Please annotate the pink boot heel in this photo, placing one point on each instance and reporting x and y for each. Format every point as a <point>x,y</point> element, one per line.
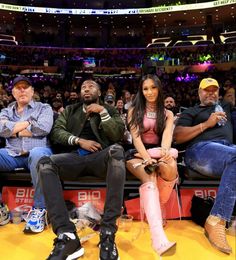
<point>150,205</point>
<point>167,249</point>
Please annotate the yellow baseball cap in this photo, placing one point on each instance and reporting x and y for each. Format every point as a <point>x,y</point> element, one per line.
<point>207,82</point>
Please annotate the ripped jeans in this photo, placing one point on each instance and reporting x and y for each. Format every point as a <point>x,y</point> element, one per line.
<point>108,164</point>
<point>216,158</point>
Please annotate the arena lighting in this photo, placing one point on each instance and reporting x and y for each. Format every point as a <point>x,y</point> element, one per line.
<point>187,78</point>
<point>204,67</point>
<point>205,59</point>
<point>133,11</point>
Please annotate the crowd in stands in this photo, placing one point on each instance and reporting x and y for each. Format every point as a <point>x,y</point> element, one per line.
<point>64,58</point>
<point>182,86</point>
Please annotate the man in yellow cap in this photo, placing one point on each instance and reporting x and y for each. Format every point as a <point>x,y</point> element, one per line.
<point>206,130</point>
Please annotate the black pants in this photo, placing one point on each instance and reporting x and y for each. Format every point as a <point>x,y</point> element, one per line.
<point>108,163</point>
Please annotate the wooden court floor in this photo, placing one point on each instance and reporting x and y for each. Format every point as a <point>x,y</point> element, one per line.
<point>132,244</point>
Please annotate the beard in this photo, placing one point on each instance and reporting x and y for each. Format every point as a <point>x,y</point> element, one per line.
<point>89,101</point>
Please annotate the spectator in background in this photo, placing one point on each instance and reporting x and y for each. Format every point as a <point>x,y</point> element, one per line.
<point>73,98</point>
<point>88,131</point>
<point>109,99</point>
<point>127,140</point>
<point>57,107</point>
<point>169,103</point>
<point>59,95</point>
<point>25,125</point>
<point>5,99</point>
<point>66,97</point>
<point>122,111</point>
<point>36,96</point>
<point>111,90</point>
<point>127,99</point>
<point>151,126</point>
<point>229,92</point>
<point>46,96</point>
<point>208,135</point>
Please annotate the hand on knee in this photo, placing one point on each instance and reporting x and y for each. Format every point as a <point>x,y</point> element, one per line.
<point>168,172</point>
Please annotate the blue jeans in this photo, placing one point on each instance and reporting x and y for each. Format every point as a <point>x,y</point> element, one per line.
<point>9,163</point>
<point>216,158</point>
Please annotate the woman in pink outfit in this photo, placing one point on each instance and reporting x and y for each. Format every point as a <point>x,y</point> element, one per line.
<point>151,126</point>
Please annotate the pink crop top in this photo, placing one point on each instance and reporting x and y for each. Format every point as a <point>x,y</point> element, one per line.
<point>149,136</point>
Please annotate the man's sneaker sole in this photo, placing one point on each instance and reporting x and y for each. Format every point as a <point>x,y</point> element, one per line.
<point>76,254</point>
<point>30,231</point>
<point>117,258</point>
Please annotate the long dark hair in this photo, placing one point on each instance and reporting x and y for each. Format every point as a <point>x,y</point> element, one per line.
<point>139,107</point>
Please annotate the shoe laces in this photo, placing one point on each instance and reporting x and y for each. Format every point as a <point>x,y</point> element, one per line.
<point>35,214</point>
<point>219,235</point>
<point>107,240</point>
<point>60,240</point>
<point>108,248</point>
<point>58,243</point>
<point>220,230</point>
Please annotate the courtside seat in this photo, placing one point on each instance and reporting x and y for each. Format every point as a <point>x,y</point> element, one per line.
<point>21,177</point>
<point>19,174</point>
<point>190,177</point>
<point>87,182</point>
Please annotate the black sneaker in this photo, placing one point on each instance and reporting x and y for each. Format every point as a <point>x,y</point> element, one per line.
<point>66,248</point>
<point>108,250</point>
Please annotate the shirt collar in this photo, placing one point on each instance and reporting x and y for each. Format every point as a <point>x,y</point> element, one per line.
<point>13,105</point>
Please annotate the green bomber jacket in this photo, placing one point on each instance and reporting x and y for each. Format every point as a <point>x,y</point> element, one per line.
<point>108,128</point>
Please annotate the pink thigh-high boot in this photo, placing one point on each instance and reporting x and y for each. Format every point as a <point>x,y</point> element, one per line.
<point>150,205</point>
<point>165,188</point>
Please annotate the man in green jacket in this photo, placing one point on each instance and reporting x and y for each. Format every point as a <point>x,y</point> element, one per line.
<point>89,132</point>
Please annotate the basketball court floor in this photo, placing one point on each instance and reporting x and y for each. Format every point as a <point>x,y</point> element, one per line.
<point>134,244</point>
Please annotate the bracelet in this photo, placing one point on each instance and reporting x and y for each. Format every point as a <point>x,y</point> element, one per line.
<point>77,140</point>
<point>201,127</point>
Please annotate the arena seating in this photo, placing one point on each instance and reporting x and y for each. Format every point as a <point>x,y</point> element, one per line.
<point>188,177</point>
<point>21,177</point>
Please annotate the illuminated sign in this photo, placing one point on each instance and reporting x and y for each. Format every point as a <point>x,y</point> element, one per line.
<point>133,11</point>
